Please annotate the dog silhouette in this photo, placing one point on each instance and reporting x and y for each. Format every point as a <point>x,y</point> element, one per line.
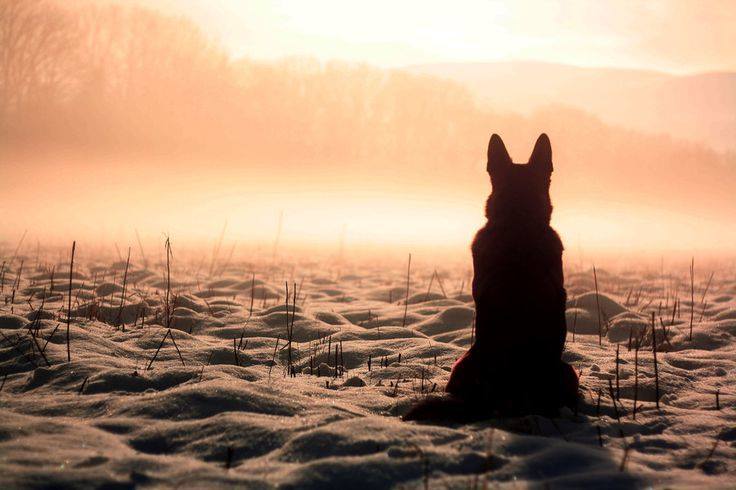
<point>514,365</point>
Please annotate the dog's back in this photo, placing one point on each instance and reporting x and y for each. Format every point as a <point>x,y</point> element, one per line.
<point>515,362</point>
<point>518,286</point>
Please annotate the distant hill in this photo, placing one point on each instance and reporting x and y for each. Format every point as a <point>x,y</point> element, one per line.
<point>699,108</point>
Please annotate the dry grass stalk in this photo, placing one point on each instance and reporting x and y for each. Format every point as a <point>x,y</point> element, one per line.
<point>36,323</point>
<point>337,349</point>
<point>702,312</point>
<point>242,335</point>
<point>618,389</point>
<point>575,319</point>
<point>16,283</point>
<point>17,249</point>
<point>167,298</point>
<point>439,281</point>
<point>329,349</point>
<point>665,332</point>
<point>201,372</point>
<point>2,277</point>
<point>69,308</point>
<point>613,399</point>
<point>167,334</point>
<point>125,284</point>
<point>406,301</point>
<point>216,250</point>
<point>50,337</point>
<point>290,326</point>
<point>15,346</point>
<point>273,357</point>
<point>252,294</point>
<point>656,368</point>
<point>35,341</point>
<point>598,306</point>
<point>636,378</point>
<point>692,295</point>
<point>429,288</point>
<point>173,341</point>
<point>707,287</point>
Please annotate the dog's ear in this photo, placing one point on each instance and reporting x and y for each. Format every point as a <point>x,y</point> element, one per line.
<point>498,157</point>
<point>541,159</point>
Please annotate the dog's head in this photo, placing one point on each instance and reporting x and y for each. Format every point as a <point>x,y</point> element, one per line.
<point>520,195</point>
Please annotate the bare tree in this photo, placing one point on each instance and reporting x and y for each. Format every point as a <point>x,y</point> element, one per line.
<point>36,39</point>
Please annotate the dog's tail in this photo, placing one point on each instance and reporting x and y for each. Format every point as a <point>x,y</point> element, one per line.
<point>445,408</point>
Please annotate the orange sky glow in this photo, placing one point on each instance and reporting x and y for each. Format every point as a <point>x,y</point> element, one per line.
<point>672,35</point>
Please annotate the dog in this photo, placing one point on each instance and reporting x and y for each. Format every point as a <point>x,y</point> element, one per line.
<point>514,366</point>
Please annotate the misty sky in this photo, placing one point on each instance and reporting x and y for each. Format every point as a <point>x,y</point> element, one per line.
<point>671,35</point>
<point>239,143</point>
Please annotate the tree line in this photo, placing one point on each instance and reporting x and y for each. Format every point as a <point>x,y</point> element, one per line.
<point>124,79</point>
